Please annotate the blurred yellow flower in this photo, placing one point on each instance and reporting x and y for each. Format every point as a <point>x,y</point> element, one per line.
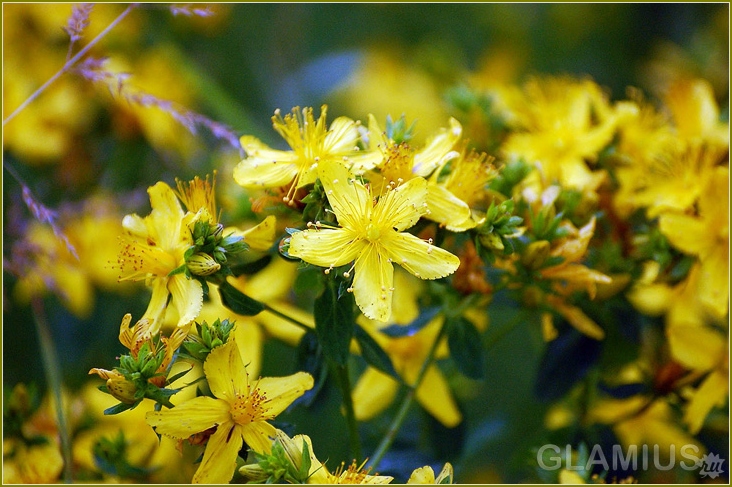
<point>707,237</point>
<point>695,113</point>
<point>40,463</point>
<point>561,127</point>
<point>384,85</point>
<point>569,276</point>
<point>642,420</point>
<point>239,411</point>
<point>46,264</point>
<point>375,391</point>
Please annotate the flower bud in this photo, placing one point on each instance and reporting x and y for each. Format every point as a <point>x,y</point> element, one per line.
<point>202,264</point>
<point>536,254</point>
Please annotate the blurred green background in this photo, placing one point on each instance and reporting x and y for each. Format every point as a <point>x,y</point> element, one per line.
<point>248,59</point>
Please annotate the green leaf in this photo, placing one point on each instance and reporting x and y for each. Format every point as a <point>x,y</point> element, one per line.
<point>252,267</point>
<point>118,408</point>
<point>305,462</point>
<point>239,302</point>
<point>466,347</point>
<point>372,352</point>
<point>334,322</point>
<point>310,359</point>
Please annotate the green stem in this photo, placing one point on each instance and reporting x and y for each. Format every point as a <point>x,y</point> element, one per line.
<point>69,64</point>
<point>52,370</point>
<point>282,315</point>
<point>498,336</point>
<point>344,383</point>
<point>401,414</point>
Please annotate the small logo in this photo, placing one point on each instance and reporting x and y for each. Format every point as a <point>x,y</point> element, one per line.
<point>711,465</point>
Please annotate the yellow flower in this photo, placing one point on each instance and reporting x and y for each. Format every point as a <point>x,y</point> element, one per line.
<point>562,124</point>
<point>707,237</point>
<point>425,475</point>
<point>313,146</point>
<point>639,420</point>
<point>45,263</point>
<point>570,276</point>
<point>691,342</point>
<point>466,182</point>
<point>402,162</point>
<point>31,464</point>
<point>671,181</point>
<point>695,112</point>
<point>704,350</point>
<point>239,411</point>
<point>386,83</point>
<point>154,246</point>
<point>374,235</point>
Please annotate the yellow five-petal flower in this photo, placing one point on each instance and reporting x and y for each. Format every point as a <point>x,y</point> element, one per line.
<point>373,235</point>
<point>312,144</point>
<point>154,246</point>
<point>239,412</point>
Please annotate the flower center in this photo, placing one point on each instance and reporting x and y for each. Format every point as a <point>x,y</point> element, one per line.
<point>372,232</point>
<point>249,409</point>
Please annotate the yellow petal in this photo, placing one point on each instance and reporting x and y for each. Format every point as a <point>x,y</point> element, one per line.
<point>712,392</point>
<point>283,329</point>
<point>342,136</point>
<point>714,280</point>
<point>187,297</point>
<point>258,151</point>
<point>225,372</point>
<point>282,391</point>
<point>249,337</point>
<point>219,459</point>
<point>265,167</point>
<point>260,237</point>
<point>437,148</point>
<point>684,232</point>
<point>166,215</point>
<point>693,107</point>
<point>419,257</point>
<point>578,319</point>
<point>373,393</point>
<point>373,284</point>
<point>446,208</point>
<point>696,347</point>
<point>651,299</point>
<point>365,161</point>
<point>349,198</point>
<point>434,395</point>
<point>422,475</point>
<point>329,247</point>
<point>271,283</point>
<point>401,207</point>
<point>158,303</point>
<point>190,417</point>
<point>259,436</point>
<point>570,477</point>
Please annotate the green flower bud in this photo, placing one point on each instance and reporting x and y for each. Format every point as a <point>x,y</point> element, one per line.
<point>536,254</point>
